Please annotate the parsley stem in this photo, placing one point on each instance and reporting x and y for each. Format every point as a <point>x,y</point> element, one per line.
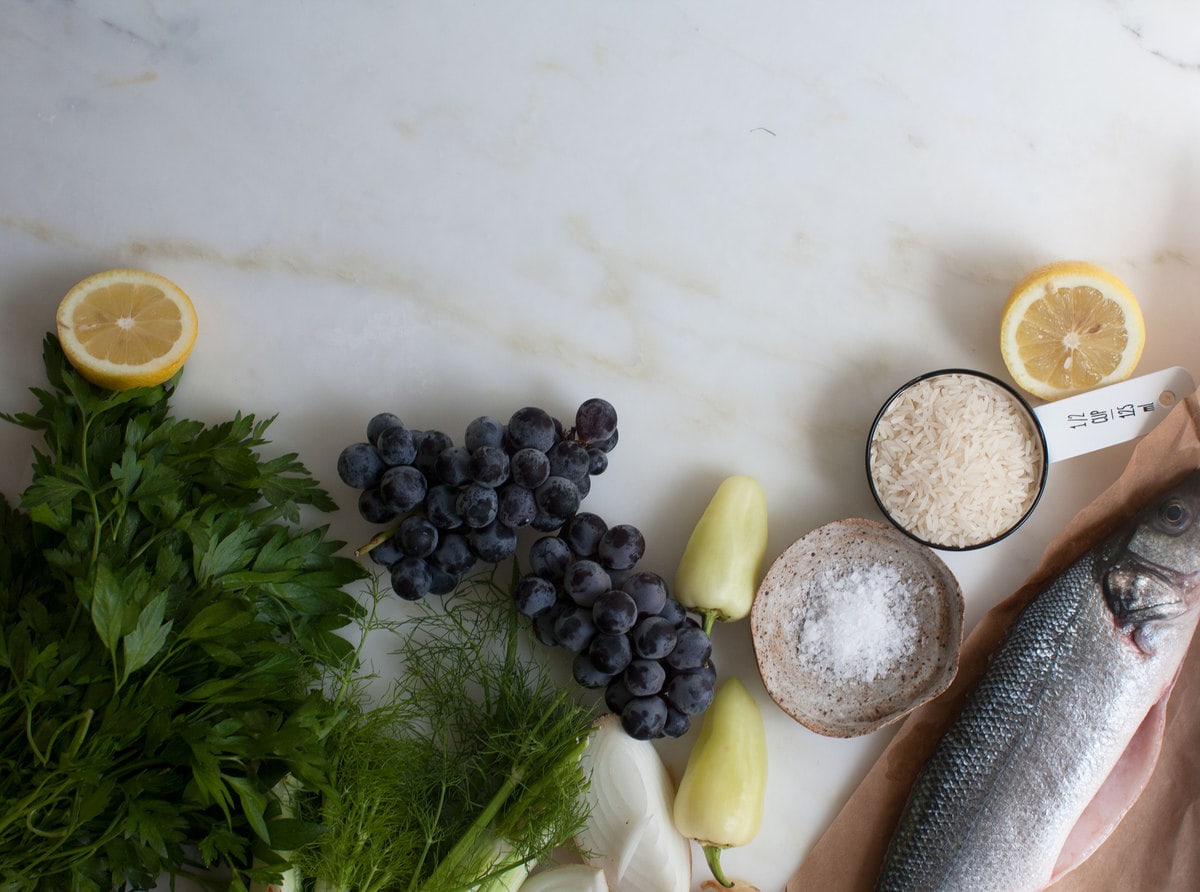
<point>84,437</point>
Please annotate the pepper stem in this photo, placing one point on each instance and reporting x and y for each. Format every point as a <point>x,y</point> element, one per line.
<point>712,854</point>
<point>710,616</point>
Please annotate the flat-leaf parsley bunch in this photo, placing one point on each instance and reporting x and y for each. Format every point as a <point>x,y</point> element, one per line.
<point>165,625</point>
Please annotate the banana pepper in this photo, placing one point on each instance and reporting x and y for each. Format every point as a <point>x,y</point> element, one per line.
<point>718,574</point>
<point>719,802</point>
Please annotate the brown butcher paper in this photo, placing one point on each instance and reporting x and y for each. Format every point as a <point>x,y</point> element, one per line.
<point>1157,845</point>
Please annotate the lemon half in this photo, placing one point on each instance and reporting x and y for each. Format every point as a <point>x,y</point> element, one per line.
<point>1069,327</point>
<point>126,328</point>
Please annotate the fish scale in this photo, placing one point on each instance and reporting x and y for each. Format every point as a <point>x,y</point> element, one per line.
<point>1059,701</point>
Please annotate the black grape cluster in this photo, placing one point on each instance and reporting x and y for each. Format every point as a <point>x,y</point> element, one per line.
<point>455,505</point>
<point>628,635</point>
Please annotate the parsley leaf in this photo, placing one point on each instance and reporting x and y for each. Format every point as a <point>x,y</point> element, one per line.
<point>165,626</point>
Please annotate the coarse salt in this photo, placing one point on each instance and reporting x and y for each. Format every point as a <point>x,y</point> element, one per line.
<point>854,627</point>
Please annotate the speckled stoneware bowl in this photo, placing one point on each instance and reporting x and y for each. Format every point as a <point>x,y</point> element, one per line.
<point>854,626</point>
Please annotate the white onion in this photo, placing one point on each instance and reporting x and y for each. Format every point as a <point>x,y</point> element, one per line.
<point>631,833</point>
<point>567,878</point>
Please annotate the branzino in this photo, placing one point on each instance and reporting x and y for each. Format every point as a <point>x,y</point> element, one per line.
<point>1063,729</point>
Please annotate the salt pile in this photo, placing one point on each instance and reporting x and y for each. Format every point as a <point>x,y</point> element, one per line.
<point>855,627</point>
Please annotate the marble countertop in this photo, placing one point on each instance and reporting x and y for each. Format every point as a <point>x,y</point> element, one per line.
<point>743,224</point>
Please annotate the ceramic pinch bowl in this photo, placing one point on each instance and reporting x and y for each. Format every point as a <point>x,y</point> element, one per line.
<point>957,459</point>
<point>855,625</point>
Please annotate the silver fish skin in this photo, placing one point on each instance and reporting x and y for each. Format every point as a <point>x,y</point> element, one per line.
<point>1079,670</point>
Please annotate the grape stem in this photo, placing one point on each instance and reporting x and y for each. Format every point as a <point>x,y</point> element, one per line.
<point>712,855</point>
<point>376,540</point>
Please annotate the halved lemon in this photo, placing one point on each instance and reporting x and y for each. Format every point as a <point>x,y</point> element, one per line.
<point>126,328</point>
<point>1069,327</point>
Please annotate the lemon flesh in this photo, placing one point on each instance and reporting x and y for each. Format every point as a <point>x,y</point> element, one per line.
<point>1070,327</point>
<point>126,328</point>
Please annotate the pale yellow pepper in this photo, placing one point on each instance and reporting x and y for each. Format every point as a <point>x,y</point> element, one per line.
<point>719,802</point>
<point>718,574</point>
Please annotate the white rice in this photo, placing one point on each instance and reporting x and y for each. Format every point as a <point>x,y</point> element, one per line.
<point>955,460</point>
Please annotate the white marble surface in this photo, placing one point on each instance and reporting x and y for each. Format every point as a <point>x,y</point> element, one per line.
<point>744,224</point>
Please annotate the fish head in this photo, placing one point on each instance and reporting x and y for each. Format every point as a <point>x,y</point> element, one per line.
<point>1150,570</point>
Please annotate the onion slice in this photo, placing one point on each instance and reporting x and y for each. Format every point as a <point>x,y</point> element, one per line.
<point>631,833</point>
<point>567,878</point>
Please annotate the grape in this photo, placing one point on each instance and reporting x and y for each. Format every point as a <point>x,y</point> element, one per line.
<point>515,506</point>
<point>441,507</point>
<point>360,466</point>
<point>644,677</point>
<point>568,459</point>
<point>608,445</point>
<point>595,421</point>
<point>582,532</point>
<point>621,547</point>
<point>677,723</point>
<point>489,465</point>
<point>484,431</point>
<point>708,670</point>
<point>402,488</point>
<point>616,695</point>
<point>689,692</point>
<point>653,638</point>
<point>543,628</point>
<point>429,445</point>
<point>493,543</point>
<point>610,653</point>
<point>674,612</point>
<point>643,718</point>
<point>558,497</point>
<point>692,648</point>
<point>417,535</point>
<point>395,445</point>
<point>597,460</point>
<point>453,554</point>
<point>549,557</point>
<point>529,467</point>
<point>387,552</point>
<point>614,612</point>
<point>477,505</point>
<point>379,423</point>
<point>648,590</point>
<point>453,465</point>
<point>546,523</point>
<point>441,582</point>
<point>532,427</point>
<point>584,581</point>
<point>411,578</point>
<point>574,629</point>
<point>535,596</point>
<point>372,507</point>
<point>456,505</point>
<point>587,673</point>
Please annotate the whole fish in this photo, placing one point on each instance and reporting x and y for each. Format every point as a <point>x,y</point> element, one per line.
<point>1064,727</point>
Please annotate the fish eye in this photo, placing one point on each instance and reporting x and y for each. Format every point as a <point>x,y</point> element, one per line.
<point>1174,514</point>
